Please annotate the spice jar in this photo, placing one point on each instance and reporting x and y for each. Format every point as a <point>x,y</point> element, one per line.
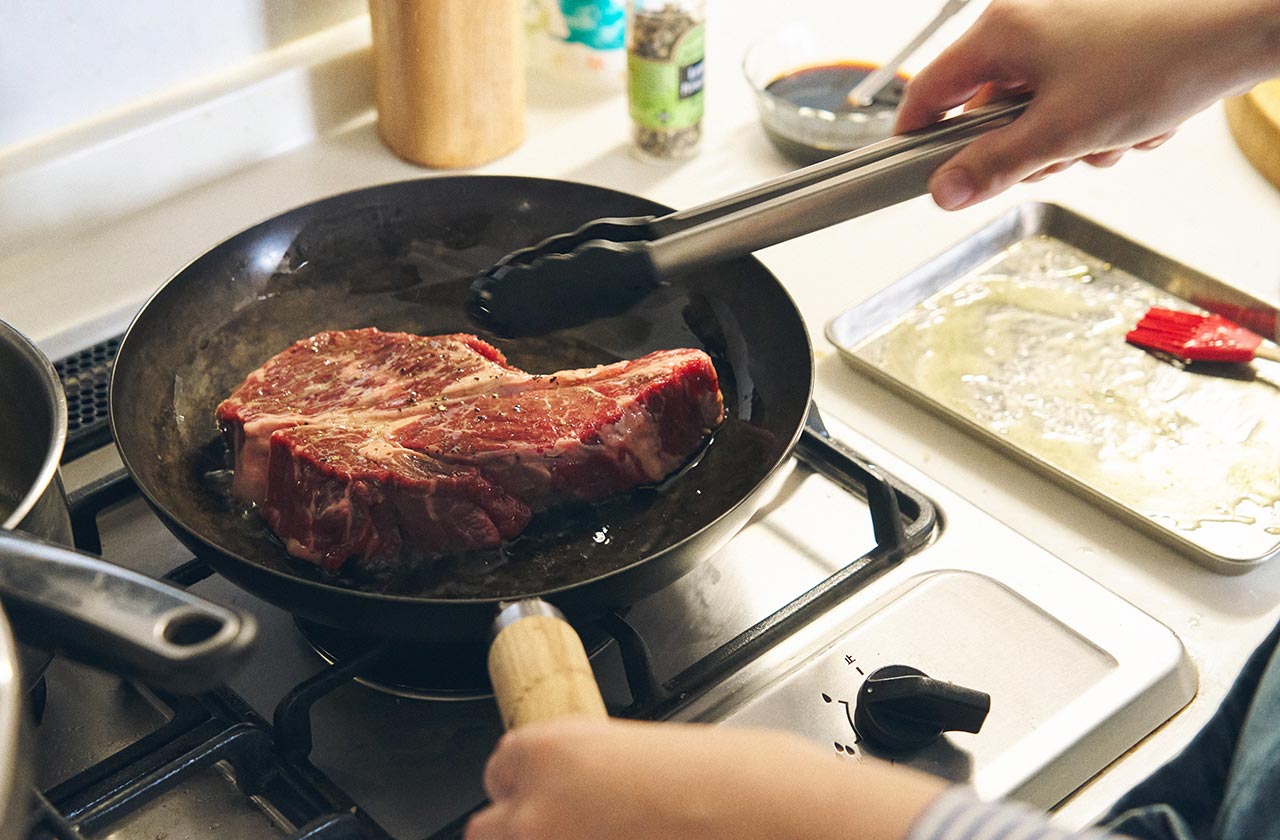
<point>666,43</point>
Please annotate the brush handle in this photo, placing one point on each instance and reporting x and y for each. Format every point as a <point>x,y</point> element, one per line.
<point>1267,351</point>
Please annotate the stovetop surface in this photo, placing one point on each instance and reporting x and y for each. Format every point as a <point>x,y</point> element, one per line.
<point>320,755</point>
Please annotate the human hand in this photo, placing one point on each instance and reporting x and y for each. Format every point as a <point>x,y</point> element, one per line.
<point>1106,76</point>
<point>574,779</point>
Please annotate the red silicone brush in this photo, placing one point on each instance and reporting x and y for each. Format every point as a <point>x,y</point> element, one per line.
<point>1199,338</point>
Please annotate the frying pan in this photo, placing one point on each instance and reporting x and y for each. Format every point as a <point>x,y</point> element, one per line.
<point>402,256</point>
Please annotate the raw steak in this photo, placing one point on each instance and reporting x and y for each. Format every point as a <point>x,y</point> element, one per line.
<point>356,444</point>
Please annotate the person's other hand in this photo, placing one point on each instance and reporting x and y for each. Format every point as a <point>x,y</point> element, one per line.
<point>1107,77</point>
<point>597,780</point>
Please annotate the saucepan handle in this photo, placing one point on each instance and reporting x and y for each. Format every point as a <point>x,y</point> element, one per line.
<point>539,668</point>
<point>117,619</point>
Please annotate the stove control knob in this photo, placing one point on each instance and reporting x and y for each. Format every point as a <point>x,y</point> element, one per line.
<point>900,708</point>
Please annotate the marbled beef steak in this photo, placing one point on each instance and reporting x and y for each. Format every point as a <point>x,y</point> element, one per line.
<point>357,444</point>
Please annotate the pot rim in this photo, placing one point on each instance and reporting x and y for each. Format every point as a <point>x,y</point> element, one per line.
<point>58,399</point>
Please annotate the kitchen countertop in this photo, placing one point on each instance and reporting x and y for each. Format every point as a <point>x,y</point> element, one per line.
<point>1196,200</point>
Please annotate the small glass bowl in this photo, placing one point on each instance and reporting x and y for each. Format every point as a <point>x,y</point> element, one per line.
<point>797,126</point>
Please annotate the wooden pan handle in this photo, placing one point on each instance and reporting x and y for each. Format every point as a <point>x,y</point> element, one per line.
<point>539,668</point>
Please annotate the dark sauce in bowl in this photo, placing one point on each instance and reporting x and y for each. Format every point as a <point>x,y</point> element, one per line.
<point>826,87</point>
<point>815,120</point>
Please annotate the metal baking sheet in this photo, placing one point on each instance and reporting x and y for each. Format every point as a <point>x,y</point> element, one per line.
<point>1017,334</point>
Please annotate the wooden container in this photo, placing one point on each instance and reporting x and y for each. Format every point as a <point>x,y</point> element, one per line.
<point>1254,119</point>
<point>449,79</point>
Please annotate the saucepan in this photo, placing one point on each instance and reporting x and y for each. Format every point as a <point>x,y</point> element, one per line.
<point>62,599</point>
<point>33,429</point>
<point>59,599</point>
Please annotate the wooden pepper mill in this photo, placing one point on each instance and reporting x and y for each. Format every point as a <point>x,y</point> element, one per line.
<point>449,79</point>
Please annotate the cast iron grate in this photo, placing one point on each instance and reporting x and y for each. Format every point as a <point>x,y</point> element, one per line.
<point>85,378</point>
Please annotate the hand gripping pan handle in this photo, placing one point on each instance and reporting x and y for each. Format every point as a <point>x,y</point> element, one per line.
<point>118,619</point>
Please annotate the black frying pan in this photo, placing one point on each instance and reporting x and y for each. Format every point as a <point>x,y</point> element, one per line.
<point>401,257</point>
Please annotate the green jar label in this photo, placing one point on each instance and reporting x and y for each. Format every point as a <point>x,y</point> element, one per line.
<point>667,94</point>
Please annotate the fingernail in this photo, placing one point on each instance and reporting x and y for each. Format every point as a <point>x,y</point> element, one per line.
<point>951,188</point>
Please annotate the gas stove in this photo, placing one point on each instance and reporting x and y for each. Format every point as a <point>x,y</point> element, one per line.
<point>97,216</point>
<point>782,628</point>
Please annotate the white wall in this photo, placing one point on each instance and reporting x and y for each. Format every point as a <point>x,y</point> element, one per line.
<point>66,61</point>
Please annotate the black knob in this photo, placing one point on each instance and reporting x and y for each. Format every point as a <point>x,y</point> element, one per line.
<point>900,708</point>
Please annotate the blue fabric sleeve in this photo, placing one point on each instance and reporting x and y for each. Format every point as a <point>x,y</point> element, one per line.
<point>959,815</point>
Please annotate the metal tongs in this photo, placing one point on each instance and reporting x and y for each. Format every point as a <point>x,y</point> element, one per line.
<point>606,265</point>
